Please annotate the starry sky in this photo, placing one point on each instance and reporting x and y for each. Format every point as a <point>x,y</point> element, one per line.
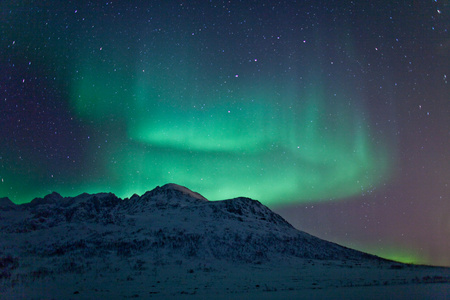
<point>335,114</point>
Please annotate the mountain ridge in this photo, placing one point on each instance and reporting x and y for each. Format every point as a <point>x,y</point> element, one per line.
<point>166,234</point>
<point>174,208</point>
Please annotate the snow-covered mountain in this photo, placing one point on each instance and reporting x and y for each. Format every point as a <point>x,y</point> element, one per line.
<point>167,229</point>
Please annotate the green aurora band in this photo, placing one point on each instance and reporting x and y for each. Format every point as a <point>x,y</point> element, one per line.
<point>388,250</point>
<point>270,142</point>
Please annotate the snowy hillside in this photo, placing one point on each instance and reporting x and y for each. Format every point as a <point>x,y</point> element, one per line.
<point>99,245</point>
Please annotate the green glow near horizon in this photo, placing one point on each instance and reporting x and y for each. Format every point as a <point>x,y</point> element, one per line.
<point>396,253</point>
<point>277,146</point>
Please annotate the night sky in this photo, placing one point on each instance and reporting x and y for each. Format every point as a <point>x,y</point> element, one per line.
<point>335,114</point>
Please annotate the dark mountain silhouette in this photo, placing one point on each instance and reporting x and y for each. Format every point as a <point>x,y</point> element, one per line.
<point>167,228</point>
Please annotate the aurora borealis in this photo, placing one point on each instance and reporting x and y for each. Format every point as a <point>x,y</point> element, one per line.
<point>333,114</point>
<point>230,137</point>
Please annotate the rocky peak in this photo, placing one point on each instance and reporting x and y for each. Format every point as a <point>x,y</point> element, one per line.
<point>6,204</point>
<point>172,194</point>
<point>52,198</point>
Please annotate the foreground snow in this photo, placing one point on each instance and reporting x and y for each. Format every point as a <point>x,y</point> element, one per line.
<point>307,280</point>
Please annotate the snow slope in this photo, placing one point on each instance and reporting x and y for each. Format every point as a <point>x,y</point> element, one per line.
<point>172,242</point>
